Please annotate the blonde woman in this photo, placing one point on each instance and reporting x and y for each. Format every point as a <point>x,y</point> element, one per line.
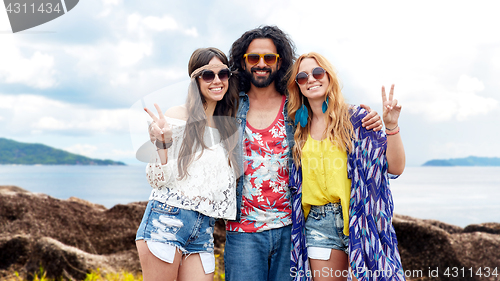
<point>341,180</point>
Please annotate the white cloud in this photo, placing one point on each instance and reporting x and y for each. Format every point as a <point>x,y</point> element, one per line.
<point>108,6</point>
<point>108,58</point>
<point>469,84</point>
<point>160,24</point>
<point>30,114</point>
<point>143,25</point>
<point>49,123</point>
<point>439,104</point>
<point>111,2</point>
<point>191,32</point>
<point>35,69</point>
<point>129,53</point>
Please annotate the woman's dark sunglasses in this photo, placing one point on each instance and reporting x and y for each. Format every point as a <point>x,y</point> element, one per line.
<point>302,77</point>
<point>209,76</point>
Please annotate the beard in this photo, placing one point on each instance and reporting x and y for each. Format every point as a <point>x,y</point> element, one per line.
<point>261,82</point>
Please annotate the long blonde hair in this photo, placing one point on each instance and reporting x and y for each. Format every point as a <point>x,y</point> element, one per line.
<point>339,127</point>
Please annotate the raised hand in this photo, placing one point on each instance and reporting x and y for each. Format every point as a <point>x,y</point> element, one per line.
<point>159,128</point>
<point>391,109</point>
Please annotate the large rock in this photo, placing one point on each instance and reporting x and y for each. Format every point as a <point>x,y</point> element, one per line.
<point>71,237</point>
<point>432,250</point>
<point>67,237</point>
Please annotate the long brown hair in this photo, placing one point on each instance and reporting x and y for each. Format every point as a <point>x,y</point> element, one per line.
<point>339,127</point>
<point>197,119</point>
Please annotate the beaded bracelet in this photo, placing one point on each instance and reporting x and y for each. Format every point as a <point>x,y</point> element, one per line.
<point>162,145</point>
<point>393,133</point>
<point>392,128</point>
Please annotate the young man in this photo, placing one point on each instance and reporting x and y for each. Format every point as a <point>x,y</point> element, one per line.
<point>258,242</point>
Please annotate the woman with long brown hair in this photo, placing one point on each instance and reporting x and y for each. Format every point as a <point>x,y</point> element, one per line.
<point>340,179</point>
<point>193,176</point>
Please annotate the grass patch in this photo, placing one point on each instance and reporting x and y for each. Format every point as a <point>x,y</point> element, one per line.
<point>94,275</point>
<point>97,275</point>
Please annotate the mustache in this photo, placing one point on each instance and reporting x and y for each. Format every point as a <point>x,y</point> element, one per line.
<point>253,69</point>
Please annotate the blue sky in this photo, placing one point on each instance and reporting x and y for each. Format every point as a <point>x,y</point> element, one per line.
<point>70,83</point>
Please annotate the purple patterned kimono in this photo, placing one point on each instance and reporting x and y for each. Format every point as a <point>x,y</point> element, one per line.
<point>373,247</point>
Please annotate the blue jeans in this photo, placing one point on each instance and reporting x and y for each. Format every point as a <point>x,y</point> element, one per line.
<point>263,256</point>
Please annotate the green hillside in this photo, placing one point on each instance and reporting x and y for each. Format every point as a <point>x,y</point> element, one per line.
<point>469,161</point>
<point>13,152</point>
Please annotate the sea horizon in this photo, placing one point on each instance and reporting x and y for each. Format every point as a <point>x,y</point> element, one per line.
<point>454,195</point>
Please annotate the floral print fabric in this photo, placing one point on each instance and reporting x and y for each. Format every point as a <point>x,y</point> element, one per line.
<point>266,198</point>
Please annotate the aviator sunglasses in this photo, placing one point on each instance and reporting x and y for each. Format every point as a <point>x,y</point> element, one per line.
<point>209,76</point>
<point>302,77</point>
<point>253,58</point>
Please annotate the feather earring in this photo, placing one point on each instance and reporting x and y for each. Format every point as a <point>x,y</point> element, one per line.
<point>301,115</point>
<point>324,107</point>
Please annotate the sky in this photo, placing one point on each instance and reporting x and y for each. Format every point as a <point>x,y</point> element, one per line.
<point>76,82</point>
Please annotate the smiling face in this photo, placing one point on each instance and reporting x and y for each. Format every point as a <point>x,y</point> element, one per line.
<point>313,89</point>
<point>262,74</point>
<point>215,90</point>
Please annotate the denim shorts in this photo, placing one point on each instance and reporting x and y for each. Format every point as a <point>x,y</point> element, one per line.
<point>164,226</point>
<point>325,231</point>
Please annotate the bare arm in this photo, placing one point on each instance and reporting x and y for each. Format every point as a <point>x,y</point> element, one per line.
<point>396,158</point>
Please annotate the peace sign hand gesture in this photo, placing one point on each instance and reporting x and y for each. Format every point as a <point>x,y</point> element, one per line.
<point>159,128</point>
<point>391,109</point>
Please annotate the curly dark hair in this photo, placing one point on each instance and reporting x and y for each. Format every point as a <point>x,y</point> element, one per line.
<point>284,46</point>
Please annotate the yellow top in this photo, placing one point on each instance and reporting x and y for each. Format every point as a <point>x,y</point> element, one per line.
<point>324,177</point>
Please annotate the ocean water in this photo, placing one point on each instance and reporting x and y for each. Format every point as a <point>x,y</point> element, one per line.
<point>105,185</point>
<point>454,195</point>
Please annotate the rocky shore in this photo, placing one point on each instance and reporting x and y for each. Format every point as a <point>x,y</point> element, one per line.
<point>68,238</point>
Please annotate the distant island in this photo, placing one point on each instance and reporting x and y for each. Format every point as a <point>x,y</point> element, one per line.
<point>13,152</point>
<point>469,161</point>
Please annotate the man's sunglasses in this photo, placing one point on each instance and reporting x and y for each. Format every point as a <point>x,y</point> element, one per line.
<point>253,58</point>
<point>302,77</point>
<point>209,76</point>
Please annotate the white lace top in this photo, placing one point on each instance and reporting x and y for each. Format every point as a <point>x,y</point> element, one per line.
<point>209,187</point>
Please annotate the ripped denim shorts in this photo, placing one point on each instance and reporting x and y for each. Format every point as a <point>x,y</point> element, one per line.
<point>325,231</point>
<point>189,231</point>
